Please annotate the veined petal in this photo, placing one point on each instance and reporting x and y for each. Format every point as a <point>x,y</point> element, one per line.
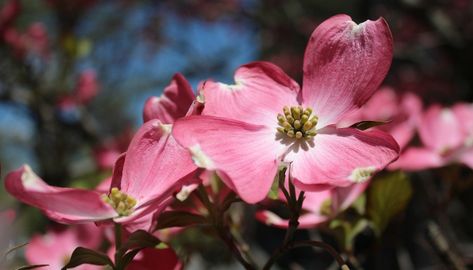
<point>340,157</point>
<point>344,64</point>
<point>245,156</point>
<point>173,103</point>
<point>260,92</point>
<point>415,158</point>
<point>65,205</point>
<point>155,164</point>
<point>441,130</point>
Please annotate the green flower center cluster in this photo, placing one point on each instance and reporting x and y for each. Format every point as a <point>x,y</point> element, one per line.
<point>297,122</point>
<point>121,202</point>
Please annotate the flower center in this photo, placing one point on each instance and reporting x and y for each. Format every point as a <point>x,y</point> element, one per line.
<point>121,202</point>
<point>297,122</point>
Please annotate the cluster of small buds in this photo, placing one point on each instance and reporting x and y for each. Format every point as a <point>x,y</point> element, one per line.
<point>297,122</point>
<point>121,202</point>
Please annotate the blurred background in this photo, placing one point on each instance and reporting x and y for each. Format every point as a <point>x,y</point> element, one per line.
<point>74,76</point>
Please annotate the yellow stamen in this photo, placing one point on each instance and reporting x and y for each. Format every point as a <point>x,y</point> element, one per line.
<point>120,201</point>
<point>297,122</point>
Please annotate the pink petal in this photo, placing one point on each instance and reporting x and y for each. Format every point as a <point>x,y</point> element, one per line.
<point>306,221</point>
<point>404,123</point>
<point>464,113</point>
<point>344,64</point>
<point>260,92</point>
<point>415,158</point>
<point>55,247</point>
<point>467,157</point>
<point>245,156</point>
<point>346,196</point>
<point>400,112</point>
<point>155,164</point>
<point>340,157</point>
<point>314,200</point>
<point>440,129</point>
<point>65,205</point>
<point>173,104</point>
<point>117,172</point>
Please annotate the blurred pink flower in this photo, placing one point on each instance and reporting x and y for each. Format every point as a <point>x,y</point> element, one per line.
<point>319,206</point>
<point>87,86</point>
<point>250,128</point>
<point>34,41</point>
<point>447,137</point>
<point>8,13</point>
<point>401,112</point>
<point>55,247</point>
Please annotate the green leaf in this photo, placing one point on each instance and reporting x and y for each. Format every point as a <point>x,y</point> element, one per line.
<point>363,125</point>
<point>82,255</point>
<point>140,239</point>
<point>170,219</point>
<point>27,267</point>
<point>388,195</point>
<point>348,230</point>
<point>129,256</point>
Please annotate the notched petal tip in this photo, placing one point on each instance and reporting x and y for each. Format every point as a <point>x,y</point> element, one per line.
<point>362,174</point>
<point>29,178</point>
<point>200,159</point>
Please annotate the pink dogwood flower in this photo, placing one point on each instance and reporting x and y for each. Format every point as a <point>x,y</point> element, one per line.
<point>401,112</point>
<point>55,247</point>
<point>319,206</point>
<point>144,180</point>
<point>447,137</point>
<point>262,121</point>
<point>87,86</point>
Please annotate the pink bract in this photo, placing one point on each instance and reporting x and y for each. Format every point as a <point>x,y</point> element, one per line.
<point>447,137</point>
<point>55,247</point>
<point>400,112</point>
<point>174,103</point>
<point>237,135</point>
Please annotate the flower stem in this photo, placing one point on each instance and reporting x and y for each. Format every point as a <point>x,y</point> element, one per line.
<point>294,203</point>
<point>118,245</point>
<point>218,222</point>
<point>322,245</point>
